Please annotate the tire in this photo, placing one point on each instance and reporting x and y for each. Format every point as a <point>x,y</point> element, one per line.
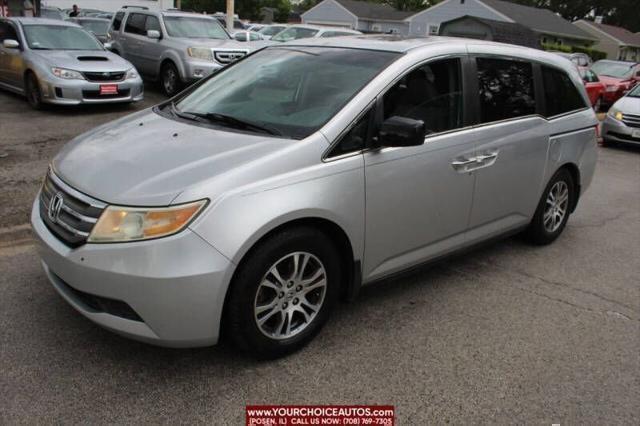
<point>32,91</point>
<point>263,314</point>
<point>553,209</point>
<point>170,79</point>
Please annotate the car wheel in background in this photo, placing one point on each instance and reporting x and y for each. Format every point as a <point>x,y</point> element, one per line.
<point>170,79</point>
<point>32,91</point>
<point>553,209</point>
<point>283,292</point>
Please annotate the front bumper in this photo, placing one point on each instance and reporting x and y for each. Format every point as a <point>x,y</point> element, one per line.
<point>59,91</point>
<point>617,131</point>
<point>175,286</point>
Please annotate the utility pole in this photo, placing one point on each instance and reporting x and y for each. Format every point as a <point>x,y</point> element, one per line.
<point>178,5</point>
<point>230,13</point>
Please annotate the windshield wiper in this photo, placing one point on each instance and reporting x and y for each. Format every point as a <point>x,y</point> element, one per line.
<point>234,122</point>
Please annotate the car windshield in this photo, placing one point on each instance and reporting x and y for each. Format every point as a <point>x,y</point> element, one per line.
<point>59,37</point>
<point>96,27</point>
<point>635,93</point>
<point>294,33</point>
<point>284,91</point>
<point>186,27</point>
<point>51,14</point>
<point>270,31</point>
<point>613,69</point>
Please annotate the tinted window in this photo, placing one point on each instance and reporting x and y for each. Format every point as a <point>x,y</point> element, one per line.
<point>506,89</point>
<point>431,93</point>
<point>117,21</point>
<point>152,23</point>
<point>135,24</point>
<point>589,76</point>
<point>292,90</point>
<point>7,32</point>
<point>560,93</point>
<point>354,140</point>
<point>294,33</point>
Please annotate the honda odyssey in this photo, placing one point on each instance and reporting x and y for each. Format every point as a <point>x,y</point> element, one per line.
<point>253,201</point>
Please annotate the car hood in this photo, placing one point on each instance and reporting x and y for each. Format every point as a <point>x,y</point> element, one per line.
<point>628,105</point>
<point>215,43</point>
<point>85,60</point>
<point>610,81</point>
<point>146,159</point>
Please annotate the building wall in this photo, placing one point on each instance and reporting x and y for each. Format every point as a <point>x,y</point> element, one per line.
<point>604,43</point>
<point>448,10</point>
<point>329,12</point>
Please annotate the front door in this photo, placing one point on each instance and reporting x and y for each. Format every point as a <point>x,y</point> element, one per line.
<point>418,199</point>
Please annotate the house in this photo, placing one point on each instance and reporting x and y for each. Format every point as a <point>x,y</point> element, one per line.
<point>358,15</point>
<point>548,27</point>
<point>617,42</point>
<point>489,29</point>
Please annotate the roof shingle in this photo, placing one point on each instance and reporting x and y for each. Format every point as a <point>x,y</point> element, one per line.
<point>367,10</point>
<point>625,36</point>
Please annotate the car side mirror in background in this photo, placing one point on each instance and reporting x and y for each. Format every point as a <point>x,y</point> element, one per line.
<point>11,44</point>
<point>401,131</point>
<point>108,45</point>
<point>154,34</point>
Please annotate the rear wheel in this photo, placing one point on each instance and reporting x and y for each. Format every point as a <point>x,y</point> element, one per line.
<point>170,79</point>
<point>283,292</point>
<point>553,209</point>
<point>32,91</point>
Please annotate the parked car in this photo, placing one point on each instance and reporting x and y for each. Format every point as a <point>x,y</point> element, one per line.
<point>618,77</point>
<point>622,123</point>
<point>255,27</point>
<point>242,200</point>
<point>52,13</point>
<point>176,48</point>
<point>238,25</point>
<point>581,60</point>
<point>245,36</point>
<point>595,88</point>
<point>296,32</point>
<point>98,27</point>
<point>269,31</point>
<point>58,62</point>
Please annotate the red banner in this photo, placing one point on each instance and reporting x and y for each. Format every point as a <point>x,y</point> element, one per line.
<point>286,415</point>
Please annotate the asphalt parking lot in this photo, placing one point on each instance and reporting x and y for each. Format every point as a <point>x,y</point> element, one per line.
<point>508,333</point>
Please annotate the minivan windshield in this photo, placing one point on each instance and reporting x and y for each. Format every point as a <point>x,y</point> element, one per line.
<point>59,37</point>
<point>613,69</point>
<point>187,27</point>
<point>286,91</point>
<point>294,33</point>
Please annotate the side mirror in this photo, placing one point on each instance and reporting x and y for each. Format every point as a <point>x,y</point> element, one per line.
<point>11,44</point>
<point>401,131</point>
<point>108,45</point>
<point>154,34</point>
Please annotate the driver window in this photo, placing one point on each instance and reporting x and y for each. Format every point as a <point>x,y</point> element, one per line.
<point>431,93</point>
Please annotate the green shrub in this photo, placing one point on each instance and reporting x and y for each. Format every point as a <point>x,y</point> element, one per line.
<point>593,53</point>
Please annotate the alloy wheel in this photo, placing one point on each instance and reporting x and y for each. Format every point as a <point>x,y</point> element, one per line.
<point>170,80</point>
<point>556,206</point>
<point>290,295</point>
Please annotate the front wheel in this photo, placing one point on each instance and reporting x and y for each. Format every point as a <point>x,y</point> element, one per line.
<point>553,209</point>
<point>170,79</point>
<point>283,292</point>
<point>32,91</point>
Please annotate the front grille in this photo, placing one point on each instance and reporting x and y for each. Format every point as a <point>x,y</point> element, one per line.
<point>631,120</point>
<point>72,216</point>
<point>114,307</point>
<point>95,94</point>
<point>228,56</point>
<point>104,76</point>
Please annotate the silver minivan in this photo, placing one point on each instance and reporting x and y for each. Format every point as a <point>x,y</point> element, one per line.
<point>255,200</point>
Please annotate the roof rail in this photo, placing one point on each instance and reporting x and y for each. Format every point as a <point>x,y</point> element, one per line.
<point>128,6</point>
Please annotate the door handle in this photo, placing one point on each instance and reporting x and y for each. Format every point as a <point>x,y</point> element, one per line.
<point>485,157</point>
<point>462,164</point>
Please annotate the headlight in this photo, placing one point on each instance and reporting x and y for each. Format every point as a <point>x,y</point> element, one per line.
<point>121,224</point>
<point>67,74</point>
<point>132,73</point>
<point>615,114</point>
<point>612,88</point>
<point>203,53</point>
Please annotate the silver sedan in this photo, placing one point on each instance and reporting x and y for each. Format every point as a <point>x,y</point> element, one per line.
<point>58,62</point>
<point>622,123</point>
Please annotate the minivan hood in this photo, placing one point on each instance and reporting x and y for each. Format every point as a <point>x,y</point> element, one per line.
<point>85,60</point>
<point>628,105</point>
<point>147,160</point>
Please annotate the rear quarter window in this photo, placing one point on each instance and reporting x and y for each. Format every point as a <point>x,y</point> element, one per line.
<point>561,95</point>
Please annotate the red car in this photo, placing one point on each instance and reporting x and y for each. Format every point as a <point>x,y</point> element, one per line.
<point>618,77</point>
<point>595,88</point>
